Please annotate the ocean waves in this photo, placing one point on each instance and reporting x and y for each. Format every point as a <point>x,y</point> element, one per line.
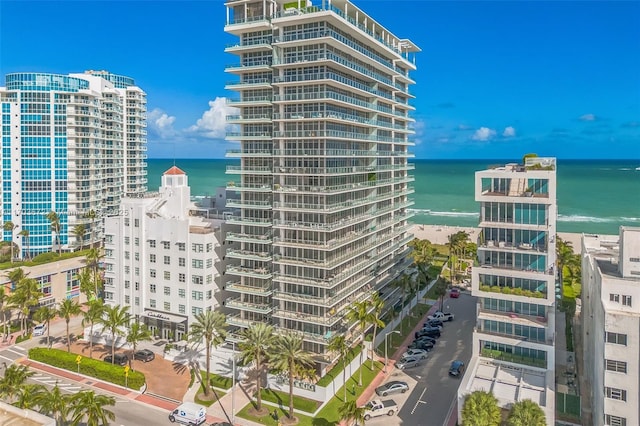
<point>592,219</point>
<point>429,212</point>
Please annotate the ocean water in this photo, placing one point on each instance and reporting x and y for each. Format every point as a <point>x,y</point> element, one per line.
<point>594,196</point>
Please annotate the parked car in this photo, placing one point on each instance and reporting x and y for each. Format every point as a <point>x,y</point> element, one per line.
<point>442,316</point>
<point>456,369</point>
<point>431,332</point>
<point>421,344</point>
<point>119,359</point>
<point>377,408</point>
<point>433,323</point>
<point>454,293</point>
<point>189,413</point>
<point>419,353</point>
<point>39,330</point>
<point>144,355</point>
<point>409,362</point>
<point>393,386</point>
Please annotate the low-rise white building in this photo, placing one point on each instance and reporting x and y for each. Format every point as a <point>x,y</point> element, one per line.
<point>162,257</point>
<point>611,328</point>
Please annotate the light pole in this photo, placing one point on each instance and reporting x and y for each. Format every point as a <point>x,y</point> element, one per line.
<point>386,359</point>
<point>233,385</point>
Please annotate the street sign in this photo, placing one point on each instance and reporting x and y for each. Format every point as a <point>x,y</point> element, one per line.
<point>126,369</point>
<point>78,359</point>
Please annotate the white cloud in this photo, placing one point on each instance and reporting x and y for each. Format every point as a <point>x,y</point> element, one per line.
<point>509,132</point>
<point>588,117</point>
<point>213,123</point>
<point>161,123</point>
<point>463,127</point>
<point>483,134</point>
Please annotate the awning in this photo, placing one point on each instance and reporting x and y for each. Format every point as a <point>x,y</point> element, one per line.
<point>163,316</point>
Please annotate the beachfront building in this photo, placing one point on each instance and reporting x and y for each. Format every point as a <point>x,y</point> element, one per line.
<point>324,128</point>
<point>161,257</point>
<point>610,382</point>
<point>513,341</point>
<point>72,144</point>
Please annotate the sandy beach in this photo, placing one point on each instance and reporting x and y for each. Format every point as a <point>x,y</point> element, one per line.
<point>438,234</point>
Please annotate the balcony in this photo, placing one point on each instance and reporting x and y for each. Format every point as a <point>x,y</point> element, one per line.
<point>259,65</point>
<point>248,204</point>
<point>249,255</point>
<point>249,238</point>
<point>238,220</point>
<point>328,321</point>
<point>232,186</point>
<point>237,153</point>
<point>507,246</point>
<point>250,307</point>
<point>248,118</point>
<point>238,321</point>
<point>510,357</point>
<point>238,287</point>
<point>512,317</point>
<point>241,170</point>
<point>248,136</point>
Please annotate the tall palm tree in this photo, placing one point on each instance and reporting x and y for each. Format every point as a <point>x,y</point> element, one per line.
<point>137,333</point>
<point>9,227</point>
<point>360,313</point>
<point>423,254</point>
<point>114,320</point>
<point>404,284</point>
<point>526,413</point>
<point>28,395</point>
<point>15,276</point>
<point>92,316</point>
<point>92,216</point>
<point>256,343</point>
<point>56,404</point>
<point>456,242</point>
<point>4,308</point>
<point>481,409</point>
<point>26,295</point>
<point>25,237</point>
<point>67,309</point>
<point>54,220</point>
<point>79,232</point>
<point>93,261</point>
<point>350,412</point>
<point>290,356</point>
<point>87,283</point>
<point>377,305</point>
<point>45,314</point>
<point>15,376</point>
<point>208,327</point>
<point>339,345</point>
<point>90,407</point>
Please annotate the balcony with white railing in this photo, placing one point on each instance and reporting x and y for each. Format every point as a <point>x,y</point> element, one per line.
<point>237,303</point>
<point>237,286</point>
<point>249,238</point>
<point>262,256</point>
<point>261,272</point>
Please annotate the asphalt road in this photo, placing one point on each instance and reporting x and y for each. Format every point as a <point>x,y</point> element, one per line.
<point>435,392</point>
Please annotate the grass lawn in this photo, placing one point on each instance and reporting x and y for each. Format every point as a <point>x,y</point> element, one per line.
<point>43,258</point>
<point>217,380</point>
<point>568,290</point>
<point>282,398</point>
<point>337,369</point>
<point>408,324</point>
<point>197,399</point>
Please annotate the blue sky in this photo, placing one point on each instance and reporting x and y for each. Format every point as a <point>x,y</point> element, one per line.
<point>494,79</point>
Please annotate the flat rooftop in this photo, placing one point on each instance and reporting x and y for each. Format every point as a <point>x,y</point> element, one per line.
<point>13,416</point>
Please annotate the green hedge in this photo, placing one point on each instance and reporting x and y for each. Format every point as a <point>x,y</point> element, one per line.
<point>517,291</point>
<point>89,367</point>
<point>337,369</point>
<point>43,258</point>
<point>282,398</point>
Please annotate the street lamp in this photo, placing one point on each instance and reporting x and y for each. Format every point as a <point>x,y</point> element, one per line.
<point>386,359</point>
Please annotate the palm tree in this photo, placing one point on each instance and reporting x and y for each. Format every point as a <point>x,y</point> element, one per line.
<point>15,376</point>
<point>404,284</point>
<point>289,355</point>
<point>45,314</point>
<point>526,413</point>
<point>481,409</point>
<point>9,227</point>
<point>456,242</point>
<point>92,316</point>
<point>67,309</point>
<point>91,215</point>
<point>87,283</point>
<point>93,261</point>
<point>56,404</point>
<point>28,395</point>
<point>137,333</point>
<point>25,296</point>
<point>208,326</point>
<point>423,254</point>
<point>377,304</point>
<point>339,345</point>
<point>350,412</point>
<point>115,319</point>
<point>4,308</point>
<point>361,315</point>
<point>54,220</point>
<point>256,343</point>
<point>89,405</point>
<point>25,237</point>
<point>79,232</point>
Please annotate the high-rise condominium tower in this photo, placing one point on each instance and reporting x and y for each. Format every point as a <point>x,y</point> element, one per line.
<point>323,183</point>
<point>514,339</point>
<point>72,144</point>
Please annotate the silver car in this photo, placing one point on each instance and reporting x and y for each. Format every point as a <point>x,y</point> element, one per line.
<point>408,362</point>
<point>393,386</point>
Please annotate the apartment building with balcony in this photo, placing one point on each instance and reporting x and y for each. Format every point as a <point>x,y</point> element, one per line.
<point>162,257</point>
<point>323,186</point>
<point>610,318</point>
<point>72,144</point>
<point>513,341</point>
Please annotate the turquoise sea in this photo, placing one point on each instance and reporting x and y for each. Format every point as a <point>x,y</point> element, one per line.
<point>594,196</point>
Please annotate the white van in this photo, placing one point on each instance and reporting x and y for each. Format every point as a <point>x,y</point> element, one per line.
<point>189,413</point>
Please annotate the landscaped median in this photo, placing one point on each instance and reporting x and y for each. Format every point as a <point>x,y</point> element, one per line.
<point>219,384</point>
<point>89,367</point>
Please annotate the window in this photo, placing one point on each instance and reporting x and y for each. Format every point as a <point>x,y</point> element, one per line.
<point>136,241</point>
<point>136,223</point>
<point>613,393</point>
<point>209,263</point>
<point>196,295</point>
<point>167,291</point>
<point>209,294</point>
<point>126,240</point>
<point>126,221</point>
<point>182,261</point>
<point>166,245</point>
<point>617,366</point>
<point>136,256</point>
<point>614,298</point>
<point>126,255</point>
<point>626,300</point>
<point>167,275</point>
<point>196,263</point>
<point>152,273</point>
<point>152,288</point>
<point>209,279</point>
<point>127,269</point>
<point>152,258</point>
<point>196,279</point>
<point>209,247</point>
<point>182,278</point>
<point>136,301</point>
<point>196,310</point>
<point>616,338</point>
<point>197,247</point>
<point>181,309</point>
<point>634,259</point>
<point>181,293</point>
<point>152,243</point>
<point>127,299</point>
<point>136,286</point>
<point>182,246</point>
<point>127,283</point>
<point>152,303</point>
<point>167,260</point>
<point>167,306</point>
<point>615,420</point>
<point>137,271</point>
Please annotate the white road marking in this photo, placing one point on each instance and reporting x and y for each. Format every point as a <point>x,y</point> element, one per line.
<point>8,359</point>
<point>420,401</point>
<point>20,348</point>
<point>12,351</point>
<point>450,410</point>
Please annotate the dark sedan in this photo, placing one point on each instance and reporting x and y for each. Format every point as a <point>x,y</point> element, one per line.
<point>392,387</point>
<point>119,359</point>
<point>456,369</point>
<point>144,355</point>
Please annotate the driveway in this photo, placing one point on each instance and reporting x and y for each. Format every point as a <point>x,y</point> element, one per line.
<point>399,398</point>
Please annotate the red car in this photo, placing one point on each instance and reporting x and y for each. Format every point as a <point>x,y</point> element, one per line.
<point>454,293</point>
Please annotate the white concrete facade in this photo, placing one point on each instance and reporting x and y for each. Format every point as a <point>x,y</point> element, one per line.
<point>611,327</point>
<point>513,341</point>
<point>162,257</point>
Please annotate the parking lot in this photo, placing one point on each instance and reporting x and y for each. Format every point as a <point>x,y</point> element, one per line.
<point>432,393</point>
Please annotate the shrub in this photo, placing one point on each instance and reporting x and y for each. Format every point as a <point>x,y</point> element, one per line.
<point>23,338</point>
<point>90,367</point>
<point>484,287</point>
<point>527,293</point>
<point>495,289</point>
<point>505,290</point>
<point>517,291</point>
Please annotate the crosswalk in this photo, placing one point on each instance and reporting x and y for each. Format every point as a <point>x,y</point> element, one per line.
<point>52,381</point>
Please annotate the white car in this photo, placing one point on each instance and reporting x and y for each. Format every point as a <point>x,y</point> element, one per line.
<point>415,353</point>
<point>39,330</point>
